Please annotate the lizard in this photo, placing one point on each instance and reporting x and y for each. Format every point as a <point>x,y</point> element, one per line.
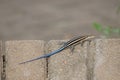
<point>69,44</point>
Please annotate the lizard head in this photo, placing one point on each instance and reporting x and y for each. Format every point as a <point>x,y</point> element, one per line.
<point>90,37</point>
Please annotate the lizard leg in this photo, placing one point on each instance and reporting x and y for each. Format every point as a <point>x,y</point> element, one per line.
<point>89,41</point>
<point>72,48</point>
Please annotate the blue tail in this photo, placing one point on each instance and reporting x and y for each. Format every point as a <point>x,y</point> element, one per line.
<point>44,56</point>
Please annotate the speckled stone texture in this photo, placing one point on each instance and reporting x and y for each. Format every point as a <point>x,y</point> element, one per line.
<point>67,65</point>
<point>98,61</point>
<point>19,51</point>
<point>107,59</point>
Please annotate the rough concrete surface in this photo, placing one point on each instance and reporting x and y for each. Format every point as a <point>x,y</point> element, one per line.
<point>90,60</point>
<point>98,61</point>
<point>107,59</point>
<point>19,51</point>
<point>68,66</point>
<point>55,19</point>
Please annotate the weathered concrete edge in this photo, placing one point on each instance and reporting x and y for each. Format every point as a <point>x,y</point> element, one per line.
<point>90,60</point>
<point>2,60</point>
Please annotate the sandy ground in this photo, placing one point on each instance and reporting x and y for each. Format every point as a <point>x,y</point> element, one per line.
<point>55,19</point>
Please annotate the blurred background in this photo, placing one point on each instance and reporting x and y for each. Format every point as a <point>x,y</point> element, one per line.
<point>55,19</point>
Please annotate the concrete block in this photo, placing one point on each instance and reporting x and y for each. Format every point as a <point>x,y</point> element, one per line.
<point>19,51</point>
<point>66,65</point>
<point>107,59</point>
